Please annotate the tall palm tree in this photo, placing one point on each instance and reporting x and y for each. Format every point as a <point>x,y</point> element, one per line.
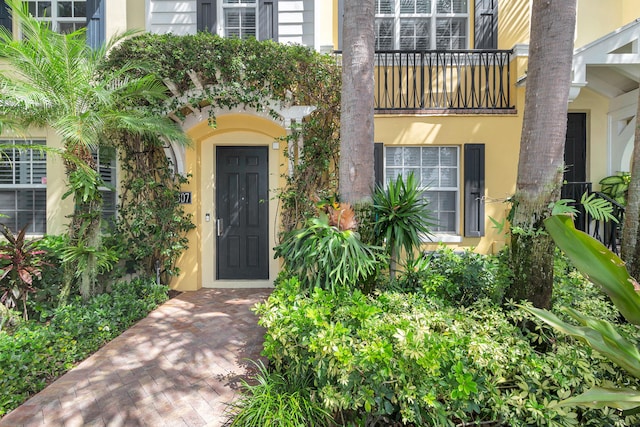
<point>57,80</point>
<point>541,162</point>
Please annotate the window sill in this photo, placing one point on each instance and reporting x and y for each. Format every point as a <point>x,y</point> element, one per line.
<point>444,238</point>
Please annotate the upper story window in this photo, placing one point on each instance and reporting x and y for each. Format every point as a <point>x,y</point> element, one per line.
<point>240,18</point>
<point>23,186</point>
<point>65,16</point>
<point>422,24</point>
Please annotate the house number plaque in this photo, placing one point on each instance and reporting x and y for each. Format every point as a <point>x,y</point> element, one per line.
<point>185,197</point>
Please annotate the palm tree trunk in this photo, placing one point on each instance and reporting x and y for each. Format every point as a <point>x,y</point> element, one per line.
<point>357,102</point>
<point>541,162</point>
<point>84,230</point>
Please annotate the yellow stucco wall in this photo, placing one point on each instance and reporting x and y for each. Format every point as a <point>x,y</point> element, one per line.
<point>136,14</point>
<point>116,17</point>
<point>630,10</point>
<point>501,136</point>
<point>57,208</point>
<point>513,23</point>
<point>595,18</point>
<point>123,15</point>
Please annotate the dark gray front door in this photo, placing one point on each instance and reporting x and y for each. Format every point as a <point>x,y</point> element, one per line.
<point>242,212</point>
<point>575,148</point>
<point>575,163</point>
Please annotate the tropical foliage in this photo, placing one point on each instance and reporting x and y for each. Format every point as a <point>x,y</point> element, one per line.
<point>327,252</point>
<point>21,262</point>
<point>57,80</point>
<point>277,399</point>
<point>616,186</point>
<point>605,269</point>
<point>396,358</point>
<point>151,230</point>
<point>403,219</point>
<point>459,278</point>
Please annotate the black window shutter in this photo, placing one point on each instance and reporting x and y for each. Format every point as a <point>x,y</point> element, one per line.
<point>95,23</point>
<point>474,190</point>
<point>268,20</point>
<point>5,16</point>
<point>378,162</point>
<point>486,24</point>
<point>207,15</point>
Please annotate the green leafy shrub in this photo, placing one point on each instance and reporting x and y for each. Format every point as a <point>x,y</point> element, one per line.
<point>366,217</point>
<point>571,289</point>
<point>459,278</point>
<point>405,359</point>
<point>36,353</point>
<point>277,399</point>
<point>43,302</point>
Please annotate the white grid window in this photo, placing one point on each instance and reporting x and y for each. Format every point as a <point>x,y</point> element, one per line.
<point>421,24</point>
<point>23,186</point>
<point>65,16</point>
<point>240,18</point>
<point>437,169</point>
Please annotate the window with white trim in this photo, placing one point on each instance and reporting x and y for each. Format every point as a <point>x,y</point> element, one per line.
<point>240,18</point>
<point>422,24</point>
<point>65,16</point>
<point>438,171</point>
<point>23,186</point>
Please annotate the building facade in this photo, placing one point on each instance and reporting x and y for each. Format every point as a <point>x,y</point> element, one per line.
<point>450,84</point>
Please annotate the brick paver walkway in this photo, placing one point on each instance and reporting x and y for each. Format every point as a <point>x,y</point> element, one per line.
<point>180,366</point>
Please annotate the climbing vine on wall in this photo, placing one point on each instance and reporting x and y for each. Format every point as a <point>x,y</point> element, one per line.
<point>152,225</point>
<point>206,70</point>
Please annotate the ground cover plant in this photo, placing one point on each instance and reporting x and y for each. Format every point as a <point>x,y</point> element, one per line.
<point>417,358</point>
<point>33,353</point>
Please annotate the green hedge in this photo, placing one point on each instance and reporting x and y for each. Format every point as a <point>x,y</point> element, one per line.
<point>408,358</point>
<point>36,353</point>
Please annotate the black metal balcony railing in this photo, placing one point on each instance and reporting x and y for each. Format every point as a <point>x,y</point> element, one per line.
<point>608,232</point>
<point>443,80</point>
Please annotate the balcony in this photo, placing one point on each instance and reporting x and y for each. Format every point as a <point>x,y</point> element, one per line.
<point>439,81</point>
